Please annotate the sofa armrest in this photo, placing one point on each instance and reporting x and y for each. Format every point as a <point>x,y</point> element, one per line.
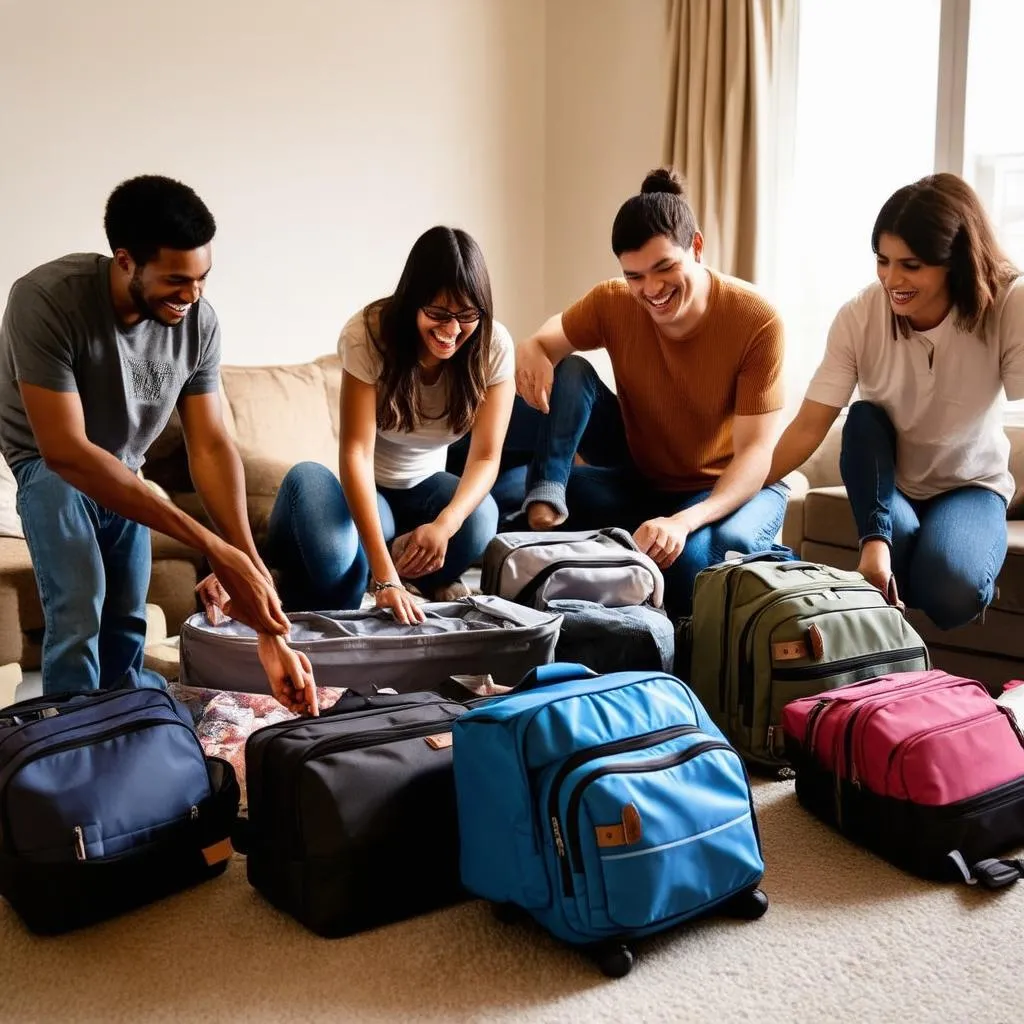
<point>793,524</point>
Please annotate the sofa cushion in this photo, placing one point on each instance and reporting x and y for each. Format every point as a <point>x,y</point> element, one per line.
<point>828,518</point>
<point>10,522</point>
<point>282,413</point>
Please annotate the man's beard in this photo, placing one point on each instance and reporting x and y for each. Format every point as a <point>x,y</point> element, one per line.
<point>138,297</point>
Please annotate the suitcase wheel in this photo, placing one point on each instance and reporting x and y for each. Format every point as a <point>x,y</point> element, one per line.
<point>748,905</point>
<point>615,960</point>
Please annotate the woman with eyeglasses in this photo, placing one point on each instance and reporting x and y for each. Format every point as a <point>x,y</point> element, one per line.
<point>422,368</point>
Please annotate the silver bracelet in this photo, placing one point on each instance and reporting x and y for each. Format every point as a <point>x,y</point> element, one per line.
<point>379,585</point>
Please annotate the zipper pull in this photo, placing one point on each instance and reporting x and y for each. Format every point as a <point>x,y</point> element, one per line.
<point>79,843</point>
<point>557,833</point>
<point>770,739</point>
<point>194,813</point>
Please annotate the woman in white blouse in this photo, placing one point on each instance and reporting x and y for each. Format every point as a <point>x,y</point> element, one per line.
<point>422,367</point>
<point>930,348</point>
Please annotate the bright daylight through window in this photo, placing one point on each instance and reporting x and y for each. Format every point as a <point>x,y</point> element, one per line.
<point>887,92</point>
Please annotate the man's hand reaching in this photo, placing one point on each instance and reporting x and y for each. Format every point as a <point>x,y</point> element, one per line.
<point>251,595</point>
<point>289,673</point>
<point>663,539</point>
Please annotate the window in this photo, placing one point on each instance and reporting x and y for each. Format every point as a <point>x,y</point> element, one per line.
<point>993,132</point>
<point>886,93</point>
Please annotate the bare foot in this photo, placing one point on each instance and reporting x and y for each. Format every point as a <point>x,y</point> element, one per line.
<point>542,516</point>
<point>453,591</point>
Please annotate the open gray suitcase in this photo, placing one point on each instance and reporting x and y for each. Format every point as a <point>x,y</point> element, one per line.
<point>368,650</point>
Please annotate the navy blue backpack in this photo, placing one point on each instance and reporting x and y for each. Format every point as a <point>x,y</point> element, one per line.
<point>606,807</point>
<point>106,803</point>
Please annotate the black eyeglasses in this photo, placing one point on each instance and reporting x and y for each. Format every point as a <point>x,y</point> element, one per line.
<point>440,315</point>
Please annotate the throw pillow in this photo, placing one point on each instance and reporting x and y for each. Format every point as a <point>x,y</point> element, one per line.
<point>10,523</point>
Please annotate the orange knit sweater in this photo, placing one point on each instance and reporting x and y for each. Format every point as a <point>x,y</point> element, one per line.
<point>679,398</point>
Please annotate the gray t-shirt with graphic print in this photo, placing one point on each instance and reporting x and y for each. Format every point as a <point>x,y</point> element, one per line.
<point>59,332</point>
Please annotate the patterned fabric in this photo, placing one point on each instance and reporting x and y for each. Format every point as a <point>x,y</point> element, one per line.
<point>225,720</point>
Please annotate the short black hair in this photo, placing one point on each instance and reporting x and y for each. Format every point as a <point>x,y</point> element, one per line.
<point>151,212</point>
<point>661,208</point>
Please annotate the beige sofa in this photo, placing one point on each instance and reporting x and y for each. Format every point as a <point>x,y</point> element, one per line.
<point>819,525</point>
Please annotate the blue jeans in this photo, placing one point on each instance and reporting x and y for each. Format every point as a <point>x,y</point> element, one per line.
<point>946,551</point>
<point>313,543</point>
<point>517,452</point>
<point>584,417</point>
<point>92,569</point>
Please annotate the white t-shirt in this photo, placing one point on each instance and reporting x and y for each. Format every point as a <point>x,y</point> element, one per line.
<point>402,459</point>
<point>942,389</point>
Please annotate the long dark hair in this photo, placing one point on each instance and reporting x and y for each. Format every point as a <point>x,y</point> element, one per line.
<point>661,208</point>
<point>442,260</point>
<point>943,223</point>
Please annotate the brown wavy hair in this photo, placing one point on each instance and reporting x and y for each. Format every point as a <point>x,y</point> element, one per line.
<point>442,261</point>
<point>942,222</point>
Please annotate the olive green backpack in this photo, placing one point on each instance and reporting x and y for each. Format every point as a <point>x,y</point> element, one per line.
<point>766,631</point>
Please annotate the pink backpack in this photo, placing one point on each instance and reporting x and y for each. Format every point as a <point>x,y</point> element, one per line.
<point>924,768</point>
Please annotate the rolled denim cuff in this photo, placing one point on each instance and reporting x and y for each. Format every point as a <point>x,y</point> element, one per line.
<point>550,493</point>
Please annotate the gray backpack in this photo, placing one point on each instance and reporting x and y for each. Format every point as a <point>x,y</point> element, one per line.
<point>603,566</point>
<point>369,650</point>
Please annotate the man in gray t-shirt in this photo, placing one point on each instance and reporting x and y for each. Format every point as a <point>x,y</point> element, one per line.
<point>95,354</point>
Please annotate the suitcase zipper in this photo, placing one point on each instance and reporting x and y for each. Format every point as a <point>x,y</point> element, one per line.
<point>574,854</point>
<point>527,594</point>
<point>15,766</point>
<point>649,739</point>
<point>79,843</point>
<point>792,675</point>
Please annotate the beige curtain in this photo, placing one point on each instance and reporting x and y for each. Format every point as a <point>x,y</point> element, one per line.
<point>723,57</point>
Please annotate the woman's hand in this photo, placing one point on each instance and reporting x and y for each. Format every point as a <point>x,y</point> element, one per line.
<point>876,567</point>
<point>421,551</point>
<point>289,673</point>
<point>401,603</point>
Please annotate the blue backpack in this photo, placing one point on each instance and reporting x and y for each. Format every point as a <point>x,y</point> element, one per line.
<point>106,803</point>
<point>607,807</point>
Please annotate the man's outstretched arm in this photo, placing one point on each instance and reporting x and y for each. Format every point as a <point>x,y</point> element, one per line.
<point>58,424</point>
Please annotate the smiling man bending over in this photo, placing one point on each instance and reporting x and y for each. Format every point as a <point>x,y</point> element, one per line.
<point>95,354</point>
<point>681,454</point>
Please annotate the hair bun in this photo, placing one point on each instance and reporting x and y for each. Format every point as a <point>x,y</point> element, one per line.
<point>664,179</point>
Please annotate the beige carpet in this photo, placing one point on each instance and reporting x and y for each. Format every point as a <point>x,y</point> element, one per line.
<point>847,939</point>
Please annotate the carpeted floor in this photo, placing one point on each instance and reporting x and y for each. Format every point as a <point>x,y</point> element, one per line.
<point>847,938</point>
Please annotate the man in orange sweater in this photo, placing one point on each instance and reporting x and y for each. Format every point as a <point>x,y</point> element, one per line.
<point>681,454</point>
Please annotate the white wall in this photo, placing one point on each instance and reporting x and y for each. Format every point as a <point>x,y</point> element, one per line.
<point>606,95</point>
<point>324,136</point>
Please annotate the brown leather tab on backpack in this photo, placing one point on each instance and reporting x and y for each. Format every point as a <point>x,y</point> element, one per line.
<point>789,650</point>
<point>628,831</point>
<point>439,741</point>
<point>817,642</point>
